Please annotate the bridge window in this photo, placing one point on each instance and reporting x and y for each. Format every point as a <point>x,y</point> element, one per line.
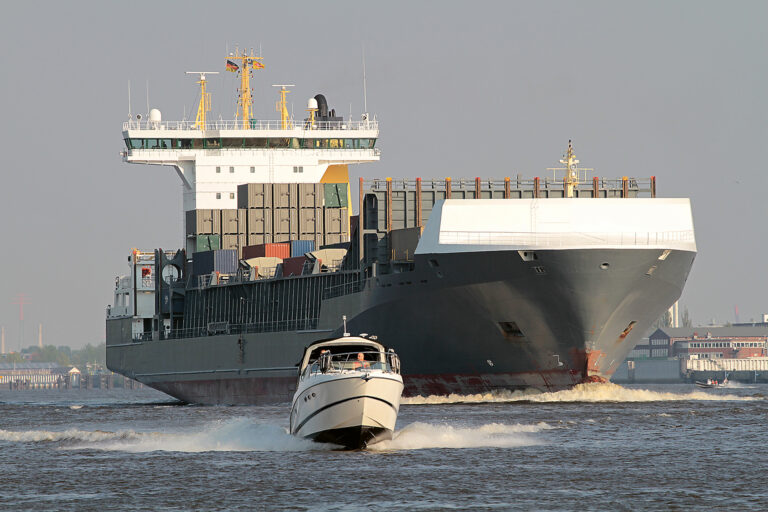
<point>232,143</point>
<point>212,143</point>
<point>255,142</point>
<point>150,144</point>
<point>279,142</point>
<point>185,143</point>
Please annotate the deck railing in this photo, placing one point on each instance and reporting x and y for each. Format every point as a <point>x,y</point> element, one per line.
<point>252,125</point>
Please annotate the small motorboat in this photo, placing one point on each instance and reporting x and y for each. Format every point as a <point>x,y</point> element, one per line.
<point>348,392</point>
<point>709,383</point>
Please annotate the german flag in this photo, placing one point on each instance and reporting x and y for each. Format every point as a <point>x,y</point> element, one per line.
<point>231,66</point>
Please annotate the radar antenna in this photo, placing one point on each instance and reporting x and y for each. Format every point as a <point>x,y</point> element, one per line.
<point>282,107</point>
<point>571,170</point>
<point>205,98</point>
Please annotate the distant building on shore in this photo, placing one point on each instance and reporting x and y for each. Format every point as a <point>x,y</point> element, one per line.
<point>683,353</point>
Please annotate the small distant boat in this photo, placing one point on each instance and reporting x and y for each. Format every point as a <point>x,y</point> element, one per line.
<point>348,392</point>
<point>709,383</point>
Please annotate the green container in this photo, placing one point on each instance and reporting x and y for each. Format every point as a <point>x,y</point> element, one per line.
<point>335,195</point>
<point>207,243</point>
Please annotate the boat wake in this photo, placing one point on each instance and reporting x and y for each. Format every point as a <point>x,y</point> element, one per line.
<point>235,435</point>
<point>420,436</point>
<point>592,392</point>
<point>248,435</point>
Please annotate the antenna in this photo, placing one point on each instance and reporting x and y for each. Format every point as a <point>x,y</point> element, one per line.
<point>147,97</point>
<point>344,319</point>
<point>282,106</point>
<point>205,98</point>
<point>365,88</point>
<point>129,99</point>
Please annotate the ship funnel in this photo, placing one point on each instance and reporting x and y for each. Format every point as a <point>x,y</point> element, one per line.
<point>322,105</point>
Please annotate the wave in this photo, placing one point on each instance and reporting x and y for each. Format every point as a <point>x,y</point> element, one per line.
<point>419,436</point>
<point>247,435</point>
<point>240,434</point>
<point>592,392</point>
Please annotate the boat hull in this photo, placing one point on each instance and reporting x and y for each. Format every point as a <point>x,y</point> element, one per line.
<point>352,409</point>
<point>476,323</point>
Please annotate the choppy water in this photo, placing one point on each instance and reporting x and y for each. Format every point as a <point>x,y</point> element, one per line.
<point>596,447</point>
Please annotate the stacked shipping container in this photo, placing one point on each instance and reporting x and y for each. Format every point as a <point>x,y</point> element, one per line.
<point>273,213</point>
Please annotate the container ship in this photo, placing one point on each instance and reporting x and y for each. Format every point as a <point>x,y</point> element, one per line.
<point>479,285</point>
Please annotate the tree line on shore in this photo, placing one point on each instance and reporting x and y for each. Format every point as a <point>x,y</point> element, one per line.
<point>62,355</point>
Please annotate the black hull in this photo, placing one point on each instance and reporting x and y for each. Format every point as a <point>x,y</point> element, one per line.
<point>475,323</point>
<point>352,438</point>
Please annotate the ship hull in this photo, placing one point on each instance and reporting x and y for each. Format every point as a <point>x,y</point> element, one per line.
<point>462,323</point>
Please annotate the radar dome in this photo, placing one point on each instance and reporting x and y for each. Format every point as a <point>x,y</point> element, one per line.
<point>155,116</point>
<point>312,104</point>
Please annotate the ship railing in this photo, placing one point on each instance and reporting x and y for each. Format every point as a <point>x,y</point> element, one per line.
<point>252,125</point>
<point>343,289</point>
<point>299,324</point>
<point>142,336</point>
<point>564,239</point>
<point>468,184</point>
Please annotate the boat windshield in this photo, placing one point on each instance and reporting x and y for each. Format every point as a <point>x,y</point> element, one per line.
<point>357,361</point>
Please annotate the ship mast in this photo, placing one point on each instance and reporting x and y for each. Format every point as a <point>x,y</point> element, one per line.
<point>248,62</point>
<point>205,98</point>
<point>571,170</point>
<point>282,107</point>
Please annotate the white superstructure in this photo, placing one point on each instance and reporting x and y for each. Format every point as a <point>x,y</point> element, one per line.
<point>213,157</point>
<point>214,160</point>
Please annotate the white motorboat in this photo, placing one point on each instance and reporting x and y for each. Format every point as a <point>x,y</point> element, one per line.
<point>348,392</point>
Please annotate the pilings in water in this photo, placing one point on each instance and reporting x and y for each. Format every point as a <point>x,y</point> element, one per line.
<point>84,381</point>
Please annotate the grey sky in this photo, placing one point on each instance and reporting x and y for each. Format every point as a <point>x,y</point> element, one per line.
<point>671,89</point>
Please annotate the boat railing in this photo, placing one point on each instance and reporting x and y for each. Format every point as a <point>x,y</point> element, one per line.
<point>252,125</point>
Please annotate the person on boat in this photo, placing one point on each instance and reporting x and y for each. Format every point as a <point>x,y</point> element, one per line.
<point>361,362</point>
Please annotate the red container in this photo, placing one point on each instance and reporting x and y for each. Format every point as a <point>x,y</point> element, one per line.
<point>281,250</point>
<point>293,266</point>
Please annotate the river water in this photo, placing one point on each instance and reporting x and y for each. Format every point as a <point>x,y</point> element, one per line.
<point>596,447</point>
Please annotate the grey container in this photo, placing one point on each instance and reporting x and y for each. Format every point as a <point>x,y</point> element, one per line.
<point>335,238</point>
<point>236,242</point>
<point>254,195</point>
<point>223,261</point>
<point>234,222</point>
<point>203,222</point>
<point>310,195</point>
<point>286,222</point>
<point>310,221</point>
<point>259,238</point>
<point>259,221</point>
<point>336,220</point>
<point>285,195</point>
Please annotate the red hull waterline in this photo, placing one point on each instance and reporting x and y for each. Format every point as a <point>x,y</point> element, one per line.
<point>268,390</point>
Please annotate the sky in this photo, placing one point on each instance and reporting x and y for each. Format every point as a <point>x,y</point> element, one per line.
<point>675,90</point>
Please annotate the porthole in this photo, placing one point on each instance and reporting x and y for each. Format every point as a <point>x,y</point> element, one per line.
<point>604,266</point>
